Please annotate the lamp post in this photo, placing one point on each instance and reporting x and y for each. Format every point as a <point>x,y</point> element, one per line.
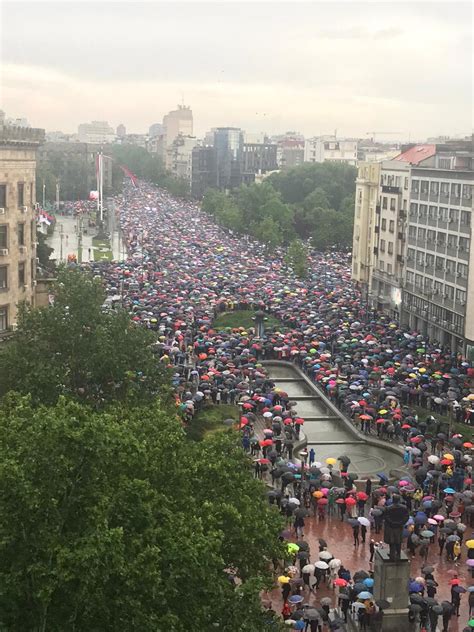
<point>44,194</point>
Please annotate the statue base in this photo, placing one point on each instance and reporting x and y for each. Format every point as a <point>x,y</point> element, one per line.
<point>391,583</point>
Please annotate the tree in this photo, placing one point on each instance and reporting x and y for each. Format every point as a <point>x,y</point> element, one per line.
<point>268,232</point>
<point>74,348</point>
<point>297,258</point>
<point>110,520</point>
<point>43,251</point>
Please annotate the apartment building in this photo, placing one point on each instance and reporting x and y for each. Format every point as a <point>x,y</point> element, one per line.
<point>331,149</point>
<point>18,148</point>
<point>366,201</point>
<point>438,296</point>
<point>390,228</point>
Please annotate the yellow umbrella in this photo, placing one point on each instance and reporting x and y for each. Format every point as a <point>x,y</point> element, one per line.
<point>470,544</point>
<point>470,396</point>
<point>318,494</point>
<point>422,370</point>
<point>383,411</point>
<point>283,579</point>
<point>331,461</point>
<point>448,456</point>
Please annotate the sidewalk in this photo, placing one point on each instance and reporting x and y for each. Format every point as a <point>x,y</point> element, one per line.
<point>65,241</point>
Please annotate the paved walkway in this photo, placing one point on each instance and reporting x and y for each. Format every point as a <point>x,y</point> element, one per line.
<point>65,241</point>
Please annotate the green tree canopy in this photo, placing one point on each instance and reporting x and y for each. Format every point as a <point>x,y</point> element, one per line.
<point>113,521</point>
<point>297,258</point>
<point>74,348</point>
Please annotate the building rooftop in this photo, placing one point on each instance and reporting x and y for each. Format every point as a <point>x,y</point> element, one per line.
<point>13,135</point>
<point>416,154</point>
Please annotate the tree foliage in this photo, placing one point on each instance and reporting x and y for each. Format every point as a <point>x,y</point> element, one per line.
<point>113,521</point>
<point>313,200</point>
<point>297,258</point>
<point>74,348</point>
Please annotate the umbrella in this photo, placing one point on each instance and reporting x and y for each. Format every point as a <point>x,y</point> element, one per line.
<point>459,589</point>
<point>359,576</point>
<point>414,598</point>
<point>326,601</point>
<point>283,579</point>
<point>368,582</point>
<point>308,568</point>
<point>364,521</point>
<point>321,565</point>
<point>383,604</point>
<point>416,607</point>
<point>470,544</point>
<point>449,490</point>
<point>311,614</point>
<point>427,534</point>
<point>427,569</point>
<point>365,594</point>
<point>340,582</point>
<point>295,599</point>
<point>325,555</point>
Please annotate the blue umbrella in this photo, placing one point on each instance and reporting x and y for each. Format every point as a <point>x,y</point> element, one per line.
<point>449,490</point>
<point>364,595</point>
<point>368,582</point>
<point>299,625</point>
<point>295,599</point>
<point>414,587</point>
<point>420,517</point>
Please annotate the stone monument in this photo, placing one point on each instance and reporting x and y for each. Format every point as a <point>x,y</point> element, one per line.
<point>392,569</point>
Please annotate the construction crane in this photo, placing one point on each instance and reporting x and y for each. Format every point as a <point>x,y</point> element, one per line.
<point>373,134</point>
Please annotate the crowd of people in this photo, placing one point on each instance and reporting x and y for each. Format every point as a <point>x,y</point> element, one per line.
<point>182,270</point>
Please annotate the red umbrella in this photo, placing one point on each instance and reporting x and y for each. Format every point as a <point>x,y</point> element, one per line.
<point>350,502</point>
<point>266,442</point>
<point>365,417</point>
<point>340,582</point>
<point>406,427</point>
<point>361,496</point>
<point>299,421</point>
<point>323,501</point>
<point>247,406</point>
<point>340,501</point>
<point>380,421</point>
<point>264,461</point>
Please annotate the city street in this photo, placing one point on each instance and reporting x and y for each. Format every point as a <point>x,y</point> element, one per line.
<point>65,241</point>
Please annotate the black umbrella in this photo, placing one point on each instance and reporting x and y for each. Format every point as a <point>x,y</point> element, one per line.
<point>383,604</point>
<point>304,546</point>
<point>447,607</point>
<point>416,599</point>
<point>344,459</point>
<point>459,589</point>
<point>301,513</point>
<point>415,607</point>
<point>430,601</point>
<point>322,543</point>
<point>427,569</point>
<point>360,576</point>
<point>437,609</point>
<point>311,614</point>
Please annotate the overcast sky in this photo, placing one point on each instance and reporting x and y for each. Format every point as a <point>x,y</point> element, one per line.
<point>404,67</point>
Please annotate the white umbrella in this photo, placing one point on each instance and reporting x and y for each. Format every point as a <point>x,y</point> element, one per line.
<point>294,501</point>
<point>325,555</point>
<point>364,521</point>
<point>309,568</point>
<point>335,563</point>
<point>322,565</point>
<point>433,459</point>
<point>268,415</point>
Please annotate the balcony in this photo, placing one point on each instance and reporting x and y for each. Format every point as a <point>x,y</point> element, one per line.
<point>400,260</point>
<point>376,250</point>
<point>377,209</point>
<point>387,189</point>
<point>401,236</point>
<point>463,254</point>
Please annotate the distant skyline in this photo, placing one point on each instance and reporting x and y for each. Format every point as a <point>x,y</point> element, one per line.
<point>402,67</point>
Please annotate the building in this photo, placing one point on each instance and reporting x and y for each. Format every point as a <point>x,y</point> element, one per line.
<point>258,160</point>
<point>438,295</point>
<point>121,130</point>
<point>331,149</point>
<point>95,132</point>
<point>366,201</point>
<point>18,147</point>
<point>228,146</point>
<point>57,137</point>
<point>290,149</point>
<point>177,122</point>
<point>204,170</point>
<point>156,129</point>
<point>179,157</point>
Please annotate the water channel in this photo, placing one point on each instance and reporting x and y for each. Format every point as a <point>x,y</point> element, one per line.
<point>327,430</point>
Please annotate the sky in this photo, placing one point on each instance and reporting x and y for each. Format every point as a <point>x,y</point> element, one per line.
<point>358,67</point>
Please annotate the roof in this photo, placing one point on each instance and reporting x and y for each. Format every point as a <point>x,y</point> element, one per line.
<point>416,154</point>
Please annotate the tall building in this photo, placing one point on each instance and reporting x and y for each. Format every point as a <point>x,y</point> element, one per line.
<point>258,159</point>
<point>331,149</point>
<point>156,129</point>
<point>177,122</point>
<point>366,201</point>
<point>95,132</point>
<point>290,149</point>
<point>179,157</point>
<point>121,130</point>
<point>18,148</point>
<point>228,145</point>
<point>204,170</point>
<point>390,228</point>
<point>438,296</point>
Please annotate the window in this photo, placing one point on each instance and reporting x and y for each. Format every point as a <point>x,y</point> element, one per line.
<point>33,231</point>
<point>462,270</point>
<point>391,226</point>
<point>466,218</point>
<point>431,237</point>
<point>411,254</point>
<point>420,257</point>
<point>430,259</point>
<point>382,245</point>
<point>434,188</point>
<point>443,214</point>
<point>456,190</point>
<point>3,195</point>
<point>384,202</point>
<point>389,268</point>
<point>21,194</point>
<point>418,280</point>
<point>439,263</point>
<point>390,247</point>
<point>424,186</point>
<point>4,318</point>
<point>467,191</point>
<point>450,266</point>
<point>415,186</point>
<point>4,236</point>
<point>438,287</point>
<point>3,277</point>
<point>21,234</point>
<point>384,223</point>
<point>463,244</point>
<point>452,241</point>
<point>413,209</point>
<point>449,291</point>
<point>445,189</point>
<point>460,296</point>
<point>381,265</point>
<point>21,275</point>
<point>423,210</point>
<point>421,234</point>
<point>432,212</point>
<point>412,232</point>
<point>453,216</point>
<point>404,205</point>
<point>410,277</point>
<point>392,204</point>
<point>405,185</point>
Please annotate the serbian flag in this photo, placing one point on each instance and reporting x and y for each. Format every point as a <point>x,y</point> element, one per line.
<point>129,174</point>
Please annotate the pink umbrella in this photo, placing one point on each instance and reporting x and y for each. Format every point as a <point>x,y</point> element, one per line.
<point>439,517</point>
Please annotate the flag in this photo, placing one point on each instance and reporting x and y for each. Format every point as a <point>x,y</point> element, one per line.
<point>94,195</point>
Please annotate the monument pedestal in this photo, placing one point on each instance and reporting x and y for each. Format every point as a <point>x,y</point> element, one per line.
<point>391,584</point>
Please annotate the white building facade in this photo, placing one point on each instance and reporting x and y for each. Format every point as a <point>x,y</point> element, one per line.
<point>331,149</point>
<point>96,132</point>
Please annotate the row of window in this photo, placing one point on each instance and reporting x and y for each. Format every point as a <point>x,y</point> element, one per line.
<point>392,201</point>
<point>20,194</point>
<point>437,238</point>
<point>435,187</point>
<point>436,312</point>
<point>20,231</point>
<point>391,225</point>
<point>437,288</point>
<point>442,213</point>
<point>4,275</point>
<point>439,263</point>
<point>389,246</point>
<point>391,180</point>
